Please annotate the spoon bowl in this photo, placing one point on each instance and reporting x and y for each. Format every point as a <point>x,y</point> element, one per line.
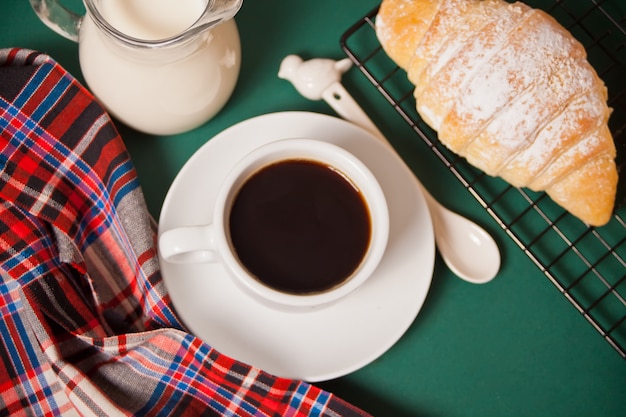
<point>466,248</point>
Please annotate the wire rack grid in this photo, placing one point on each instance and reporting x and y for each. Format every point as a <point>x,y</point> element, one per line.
<point>587,265</point>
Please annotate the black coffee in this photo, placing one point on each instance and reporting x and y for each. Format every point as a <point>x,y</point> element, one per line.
<point>299,226</point>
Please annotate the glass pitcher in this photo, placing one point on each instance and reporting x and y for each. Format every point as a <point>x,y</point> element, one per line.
<point>159,66</point>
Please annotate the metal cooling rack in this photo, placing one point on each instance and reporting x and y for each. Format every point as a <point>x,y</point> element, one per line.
<point>587,265</point>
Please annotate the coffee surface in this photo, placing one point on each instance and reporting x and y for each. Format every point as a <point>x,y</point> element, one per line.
<point>299,226</point>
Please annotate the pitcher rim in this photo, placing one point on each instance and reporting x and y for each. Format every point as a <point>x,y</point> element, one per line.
<point>196,27</point>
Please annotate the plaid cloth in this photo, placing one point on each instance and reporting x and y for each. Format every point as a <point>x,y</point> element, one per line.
<point>87,327</point>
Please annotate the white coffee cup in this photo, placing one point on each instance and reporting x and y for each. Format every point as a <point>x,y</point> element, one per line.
<point>213,243</point>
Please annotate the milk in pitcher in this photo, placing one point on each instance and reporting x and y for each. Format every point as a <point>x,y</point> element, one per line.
<point>152,19</point>
<point>163,91</point>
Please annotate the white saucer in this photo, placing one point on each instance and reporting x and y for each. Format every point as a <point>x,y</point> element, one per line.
<point>313,345</point>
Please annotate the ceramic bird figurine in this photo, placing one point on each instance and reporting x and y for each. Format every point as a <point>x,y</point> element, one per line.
<point>312,78</point>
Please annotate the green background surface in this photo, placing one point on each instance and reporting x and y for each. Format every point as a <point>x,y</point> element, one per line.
<point>513,347</point>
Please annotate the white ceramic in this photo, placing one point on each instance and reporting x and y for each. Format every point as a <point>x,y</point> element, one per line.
<point>318,344</point>
<point>466,248</point>
<point>211,242</point>
<point>159,66</point>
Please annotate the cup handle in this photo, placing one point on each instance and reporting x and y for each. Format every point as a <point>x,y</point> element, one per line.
<point>189,244</point>
<point>58,18</point>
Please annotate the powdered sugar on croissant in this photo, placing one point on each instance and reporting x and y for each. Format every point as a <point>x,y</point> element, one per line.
<point>511,90</point>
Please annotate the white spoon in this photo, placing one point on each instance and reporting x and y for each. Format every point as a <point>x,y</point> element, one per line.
<point>468,250</point>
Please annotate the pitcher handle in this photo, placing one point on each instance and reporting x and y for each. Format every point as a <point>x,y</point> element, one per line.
<point>58,18</point>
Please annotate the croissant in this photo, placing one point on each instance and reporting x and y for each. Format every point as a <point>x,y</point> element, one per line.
<point>509,89</point>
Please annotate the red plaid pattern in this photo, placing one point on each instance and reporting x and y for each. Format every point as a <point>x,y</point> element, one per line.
<point>87,327</point>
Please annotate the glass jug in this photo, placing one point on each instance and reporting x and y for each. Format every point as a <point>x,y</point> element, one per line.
<point>159,66</point>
